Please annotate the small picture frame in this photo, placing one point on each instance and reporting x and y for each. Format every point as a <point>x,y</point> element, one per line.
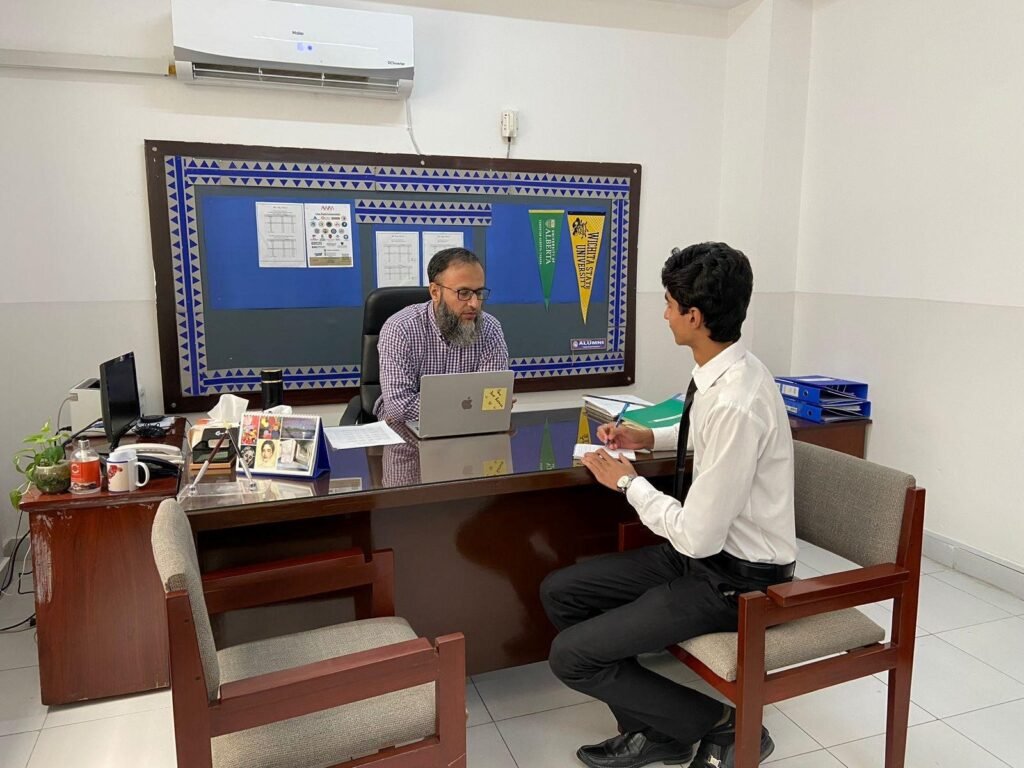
<point>283,445</point>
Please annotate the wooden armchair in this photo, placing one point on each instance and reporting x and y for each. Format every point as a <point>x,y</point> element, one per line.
<point>867,513</point>
<point>362,693</point>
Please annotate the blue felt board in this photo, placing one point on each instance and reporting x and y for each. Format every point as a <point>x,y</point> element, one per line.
<point>514,275</point>
<point>232,274</point>
<point>467,238</point>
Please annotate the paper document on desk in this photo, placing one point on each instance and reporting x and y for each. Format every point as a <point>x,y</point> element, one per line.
<point>584,448</point>
<point>362,436</point>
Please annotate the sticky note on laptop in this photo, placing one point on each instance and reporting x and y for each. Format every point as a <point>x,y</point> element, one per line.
<point>582,449</point>
<point>494,399</point>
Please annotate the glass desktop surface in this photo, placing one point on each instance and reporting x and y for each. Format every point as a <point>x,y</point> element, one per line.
<point>539,441</point>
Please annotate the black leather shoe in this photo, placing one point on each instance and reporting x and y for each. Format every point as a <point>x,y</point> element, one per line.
<point>718,747</point>
<point>632,750</point>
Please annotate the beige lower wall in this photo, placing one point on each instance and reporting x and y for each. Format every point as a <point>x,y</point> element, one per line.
<point>943,380</point>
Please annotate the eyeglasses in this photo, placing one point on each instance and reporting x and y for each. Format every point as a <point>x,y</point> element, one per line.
<point>465,294</point>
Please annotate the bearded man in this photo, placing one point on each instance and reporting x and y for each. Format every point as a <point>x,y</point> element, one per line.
<point>448,334</point>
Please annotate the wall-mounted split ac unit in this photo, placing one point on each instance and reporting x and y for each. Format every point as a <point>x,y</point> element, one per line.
<point>291,45</point>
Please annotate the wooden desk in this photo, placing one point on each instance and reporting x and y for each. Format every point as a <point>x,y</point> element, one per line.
<point>100,621</point>
<point>470,555</point>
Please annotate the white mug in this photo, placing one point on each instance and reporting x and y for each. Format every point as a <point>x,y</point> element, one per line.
<point>123,471</point>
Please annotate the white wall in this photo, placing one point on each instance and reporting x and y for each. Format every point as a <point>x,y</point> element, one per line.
<point>763,144</point>
<point>76,263</point>
<point>910,271</point>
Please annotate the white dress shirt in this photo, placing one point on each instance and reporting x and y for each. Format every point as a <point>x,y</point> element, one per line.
<point>741,499</point>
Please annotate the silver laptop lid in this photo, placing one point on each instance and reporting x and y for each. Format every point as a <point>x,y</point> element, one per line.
<point>454,404</point>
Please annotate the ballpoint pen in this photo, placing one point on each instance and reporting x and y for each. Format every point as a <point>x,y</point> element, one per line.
<point>618,419</point>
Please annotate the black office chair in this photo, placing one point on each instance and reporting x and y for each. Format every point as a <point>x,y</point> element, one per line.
<point>381,304</point>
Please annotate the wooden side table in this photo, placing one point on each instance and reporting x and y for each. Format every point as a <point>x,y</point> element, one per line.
<point>100,619</point>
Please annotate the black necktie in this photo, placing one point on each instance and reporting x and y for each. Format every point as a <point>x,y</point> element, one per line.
<point>682,479</point>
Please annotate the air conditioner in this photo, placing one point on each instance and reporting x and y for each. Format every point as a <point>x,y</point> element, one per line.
<point>291,45</point>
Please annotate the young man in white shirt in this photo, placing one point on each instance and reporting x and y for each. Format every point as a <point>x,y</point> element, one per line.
<point>733,531</point>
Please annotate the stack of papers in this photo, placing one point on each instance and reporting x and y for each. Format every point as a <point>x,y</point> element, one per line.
<point>362,436</point>
<point>607,408</point>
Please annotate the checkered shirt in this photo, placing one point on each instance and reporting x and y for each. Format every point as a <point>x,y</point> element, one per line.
<point>410,345</point>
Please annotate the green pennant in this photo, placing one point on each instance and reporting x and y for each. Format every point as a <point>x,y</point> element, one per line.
<point>547,233</point>
<point>547,450</point>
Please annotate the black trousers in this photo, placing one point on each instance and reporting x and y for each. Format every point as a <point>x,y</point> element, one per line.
<point>612,608</point>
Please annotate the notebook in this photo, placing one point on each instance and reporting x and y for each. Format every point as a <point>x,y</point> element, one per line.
<point>453,404</point>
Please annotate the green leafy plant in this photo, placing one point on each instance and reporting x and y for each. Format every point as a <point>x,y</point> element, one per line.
<point>42,449</point>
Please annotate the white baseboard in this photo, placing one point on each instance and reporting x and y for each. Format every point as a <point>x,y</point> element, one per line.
<point>979,565</point>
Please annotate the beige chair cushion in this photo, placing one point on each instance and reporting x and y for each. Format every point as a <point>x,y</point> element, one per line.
<point>795,642</point>
<point>334,735</point>
<point>175,554</point>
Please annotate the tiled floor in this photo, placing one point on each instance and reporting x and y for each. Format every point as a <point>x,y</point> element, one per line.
<point>968,700</point>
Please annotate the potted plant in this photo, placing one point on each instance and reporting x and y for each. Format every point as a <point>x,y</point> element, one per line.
<point>42,463</point>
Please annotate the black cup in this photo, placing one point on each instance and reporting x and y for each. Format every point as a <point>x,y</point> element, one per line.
<point>272,387</point>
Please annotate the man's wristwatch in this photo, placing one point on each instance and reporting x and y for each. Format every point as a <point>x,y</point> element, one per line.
<point>624,482</point>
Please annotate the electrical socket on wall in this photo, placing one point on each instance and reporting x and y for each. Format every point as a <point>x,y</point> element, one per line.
<point>509,123</point>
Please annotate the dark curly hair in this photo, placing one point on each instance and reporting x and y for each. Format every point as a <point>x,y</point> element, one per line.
<point>714,278</point>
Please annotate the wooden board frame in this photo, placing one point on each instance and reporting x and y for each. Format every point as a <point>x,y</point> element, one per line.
<point>166,235</point>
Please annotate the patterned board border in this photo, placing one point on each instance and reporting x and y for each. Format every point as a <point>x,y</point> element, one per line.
<point>182,173</point>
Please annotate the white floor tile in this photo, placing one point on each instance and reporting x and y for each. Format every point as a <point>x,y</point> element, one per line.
<point>486,749</point>
<point>974,685</point>
<point>931,745</point>
<point>943,607</point>
<point>822,560</point>
<point>789,738</point>
<point>550,739</point>
<point>67,714</point>
<point>20,709</point>
<point>819,759</point>
<point>18,649</point>
<point>15,607</point>
<point>524,690</point>
<point>997,643</point>
<point>846,712</point>
<point>478,714</point>
<point>128,741</point>
<point>997,729</point>
<point>15,750</point>
<point>930,566</point>
<point>983,591</point>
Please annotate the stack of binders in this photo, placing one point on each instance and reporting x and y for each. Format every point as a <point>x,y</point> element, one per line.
<point>824,399</point>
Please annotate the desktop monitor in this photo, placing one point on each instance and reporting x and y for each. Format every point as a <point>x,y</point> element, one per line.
<point>119,396</point>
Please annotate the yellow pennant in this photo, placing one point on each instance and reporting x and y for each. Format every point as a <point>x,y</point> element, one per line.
<point>585,230</point>
<point>583,432</point>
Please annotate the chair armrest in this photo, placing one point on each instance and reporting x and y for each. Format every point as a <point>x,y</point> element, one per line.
<point>352,412</point>
<point>330,683</point>
<point>235,588</point>
<point>846,583</point>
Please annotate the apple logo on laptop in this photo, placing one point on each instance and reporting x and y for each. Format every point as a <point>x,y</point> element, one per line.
<point>467,403</point>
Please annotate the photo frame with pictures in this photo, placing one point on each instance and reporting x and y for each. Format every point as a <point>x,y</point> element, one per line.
<point>283,445</point>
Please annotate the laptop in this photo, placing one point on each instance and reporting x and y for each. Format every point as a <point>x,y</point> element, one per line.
<point>465,458</point>
<point>453,404</point>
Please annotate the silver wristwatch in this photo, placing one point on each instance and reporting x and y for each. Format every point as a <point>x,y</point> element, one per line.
<point>624,482</point>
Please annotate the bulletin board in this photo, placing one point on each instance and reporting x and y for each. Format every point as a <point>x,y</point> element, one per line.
<point>264,255</point>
